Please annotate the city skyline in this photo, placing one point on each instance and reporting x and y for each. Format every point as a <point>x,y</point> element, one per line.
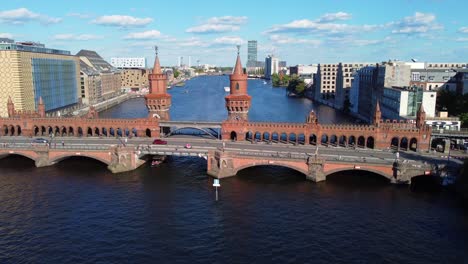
<point>334,31</point>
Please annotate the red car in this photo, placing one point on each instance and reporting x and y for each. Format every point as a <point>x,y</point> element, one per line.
<point>159,142</point>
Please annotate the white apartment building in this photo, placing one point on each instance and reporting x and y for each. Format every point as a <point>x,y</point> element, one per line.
<point>128,62</point>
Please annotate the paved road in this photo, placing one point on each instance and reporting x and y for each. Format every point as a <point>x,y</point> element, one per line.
<point>201,145</point>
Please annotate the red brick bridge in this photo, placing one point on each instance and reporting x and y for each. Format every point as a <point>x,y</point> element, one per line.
<point>381,134</point>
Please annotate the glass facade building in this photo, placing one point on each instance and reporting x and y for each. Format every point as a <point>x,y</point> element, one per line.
<point>251,53</point>
<point>55,81</point>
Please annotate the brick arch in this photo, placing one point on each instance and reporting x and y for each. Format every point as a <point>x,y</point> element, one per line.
<point>254,163</point>
<point>19,153</point>
<point>61,157</point>
<point>351,168</point>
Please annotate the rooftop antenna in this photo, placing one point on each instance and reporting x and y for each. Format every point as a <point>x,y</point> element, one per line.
<point>238,49</point>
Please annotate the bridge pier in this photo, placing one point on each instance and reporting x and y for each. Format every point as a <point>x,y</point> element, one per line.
<point>315,172</point>
<point>124,159</point>
<point>220,165</point>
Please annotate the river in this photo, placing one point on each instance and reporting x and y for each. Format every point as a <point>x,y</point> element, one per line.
<point>78,212</point>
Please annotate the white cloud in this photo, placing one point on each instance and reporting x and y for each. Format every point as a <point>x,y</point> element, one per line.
<point>329,17</point>
<point>149,34</point>
<point>6,35</point>
<point>219,25</point>
<point>461,39</point>
<point>193,42</point>
<point>79,15</point>
<point>121,21</point>
<point>279,39</point>
<point>22,15</point>
<point>209,28</point>
<point>81,37</point>
<point>309,26</point>
<point>416,24</point>
<point>230,20</point>
<point>463,30</point>
<point>228,40</point>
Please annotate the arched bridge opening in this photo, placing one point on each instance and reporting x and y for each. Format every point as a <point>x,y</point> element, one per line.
<point>81,157</point>
<point>16,160</point>
<point>358,178</point>
<point>194,131</point>
<point>269,173</point>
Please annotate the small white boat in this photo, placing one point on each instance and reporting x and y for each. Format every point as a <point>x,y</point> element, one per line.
<point>264,82</point>
<point>227,89</point>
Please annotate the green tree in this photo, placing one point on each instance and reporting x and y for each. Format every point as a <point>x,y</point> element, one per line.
<point>464,119</point>
<point>176,73</point>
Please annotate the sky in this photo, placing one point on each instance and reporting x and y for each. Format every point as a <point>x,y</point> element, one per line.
<point>299,32</point>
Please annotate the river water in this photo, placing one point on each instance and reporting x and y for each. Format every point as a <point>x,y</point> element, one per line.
<point>78,212</point>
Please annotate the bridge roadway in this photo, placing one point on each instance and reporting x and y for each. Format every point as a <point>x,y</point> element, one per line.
<point>225,159</point>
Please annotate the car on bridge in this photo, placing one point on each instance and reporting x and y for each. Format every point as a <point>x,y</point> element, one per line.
<point>188,146</point>
<point>159,142</point>
<point>40,140</point>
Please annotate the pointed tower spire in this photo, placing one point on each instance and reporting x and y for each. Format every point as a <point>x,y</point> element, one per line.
<point>238,66</point>
<point>158,101</point>
<point>11,107</point>
<point>420,117</point>
<point>41,107</point>
<point>157,66</point>
<point>377,114</point>
<point>238,100</point>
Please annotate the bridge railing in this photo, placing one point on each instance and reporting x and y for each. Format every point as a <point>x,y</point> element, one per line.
<point>28,146</point>
<point>462,131</point>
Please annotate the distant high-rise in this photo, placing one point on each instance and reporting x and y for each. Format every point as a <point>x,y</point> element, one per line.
<point>251,53</point>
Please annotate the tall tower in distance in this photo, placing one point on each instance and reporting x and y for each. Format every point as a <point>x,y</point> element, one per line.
<point>252,53</point>
<point>158,101</point>
<point>238,100</point>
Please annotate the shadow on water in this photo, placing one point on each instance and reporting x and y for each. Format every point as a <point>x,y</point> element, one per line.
<point>270,175</point>
<point>357,179</point>
<point>17,163</point>
<point>425,184</point>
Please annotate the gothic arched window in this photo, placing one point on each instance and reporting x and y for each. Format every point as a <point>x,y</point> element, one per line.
<point>237,86</point>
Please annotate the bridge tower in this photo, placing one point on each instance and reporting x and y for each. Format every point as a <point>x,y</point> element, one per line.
<point>158,101</point>
<point>377,115</point>
<point>420,117</point>
<point>238,100</point>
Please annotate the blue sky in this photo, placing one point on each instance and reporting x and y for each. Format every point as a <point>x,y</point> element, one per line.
<point>300,32</point>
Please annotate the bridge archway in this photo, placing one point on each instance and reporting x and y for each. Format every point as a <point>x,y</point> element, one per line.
<point>395,143</point>
<point>413,145</point>
<point>343,142</point>
<point>17,153</point>
<point>404,143</point>
<point>258,136</point>
<point>352,141</point>
<point>301,139</point>
<point>370,142</point>
<point>275,137</point>
<point>313,139</point>
<point>148,132</point>
<point>233,135</point>
<point>333,140</point>
<point>324,139</point>
<point>284,137</point>
<point>266,136</point>
<point>181,129</point>
<point>266,164</point>
<point>60,158</point>
<point>352,169</point>
<point>361,142</point>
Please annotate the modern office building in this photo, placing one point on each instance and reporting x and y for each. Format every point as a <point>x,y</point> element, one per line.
<point>271,66</point>
<point>111,82</point>
<point>251,53</point>
<point>132,63</point>
<point>30,71</point>
<point>404,102</point>
<point>372,80</point>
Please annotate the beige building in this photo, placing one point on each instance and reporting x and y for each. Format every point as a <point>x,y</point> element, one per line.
<point>30,70</point>
<point>96,89</point>
<point>135,78</point>
<point>334,80</point>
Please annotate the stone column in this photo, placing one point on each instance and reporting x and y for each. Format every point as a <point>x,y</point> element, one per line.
<point>220,164</point>
<point>316,173</point>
